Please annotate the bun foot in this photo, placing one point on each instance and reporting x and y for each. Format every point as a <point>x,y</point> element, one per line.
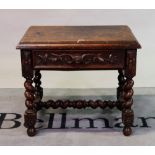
<point>127,131</point>
<point>31,132</point>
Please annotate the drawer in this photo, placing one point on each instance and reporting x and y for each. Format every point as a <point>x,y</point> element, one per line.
<point>78,59</point>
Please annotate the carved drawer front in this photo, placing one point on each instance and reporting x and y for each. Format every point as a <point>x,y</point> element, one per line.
<point>74,60</point>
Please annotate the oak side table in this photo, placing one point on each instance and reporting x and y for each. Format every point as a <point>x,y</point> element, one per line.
<point>78,48</point>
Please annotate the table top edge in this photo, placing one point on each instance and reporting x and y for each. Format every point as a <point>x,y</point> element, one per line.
<point>129,44</point>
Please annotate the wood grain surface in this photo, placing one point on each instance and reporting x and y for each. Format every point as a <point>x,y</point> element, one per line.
<point>78,37</point>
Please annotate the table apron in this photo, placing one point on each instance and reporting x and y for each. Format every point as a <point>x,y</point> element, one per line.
<point>78,59</point>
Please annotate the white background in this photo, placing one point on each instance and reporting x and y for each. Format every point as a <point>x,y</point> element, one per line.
<point>13,24</point>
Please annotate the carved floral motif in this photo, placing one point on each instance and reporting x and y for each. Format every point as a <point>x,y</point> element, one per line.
<point>78,58</point>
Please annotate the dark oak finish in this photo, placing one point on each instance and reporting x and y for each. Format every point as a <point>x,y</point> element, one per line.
<point>77,104</point>
<point>77,60</point>
<point>78,37</point>
<point>30,113</point>
<point>38,88</point>
<point>78,48</point>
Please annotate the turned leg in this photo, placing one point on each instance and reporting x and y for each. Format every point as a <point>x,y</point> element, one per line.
<point>130,72</point>
<point>121,81</point>
<point>127,112</point>
<point>30,114</point>
<point>38,88</point>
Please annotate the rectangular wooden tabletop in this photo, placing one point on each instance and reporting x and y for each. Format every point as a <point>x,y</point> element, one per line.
<point>71,37</point>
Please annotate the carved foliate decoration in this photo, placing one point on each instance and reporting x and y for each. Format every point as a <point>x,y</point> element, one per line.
<point>77,58</point>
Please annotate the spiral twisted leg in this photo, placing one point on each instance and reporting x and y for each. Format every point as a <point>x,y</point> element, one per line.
<point>38,88</point>
<point>127,112</point>
<point>121,81</point>
<point>30,114</point>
